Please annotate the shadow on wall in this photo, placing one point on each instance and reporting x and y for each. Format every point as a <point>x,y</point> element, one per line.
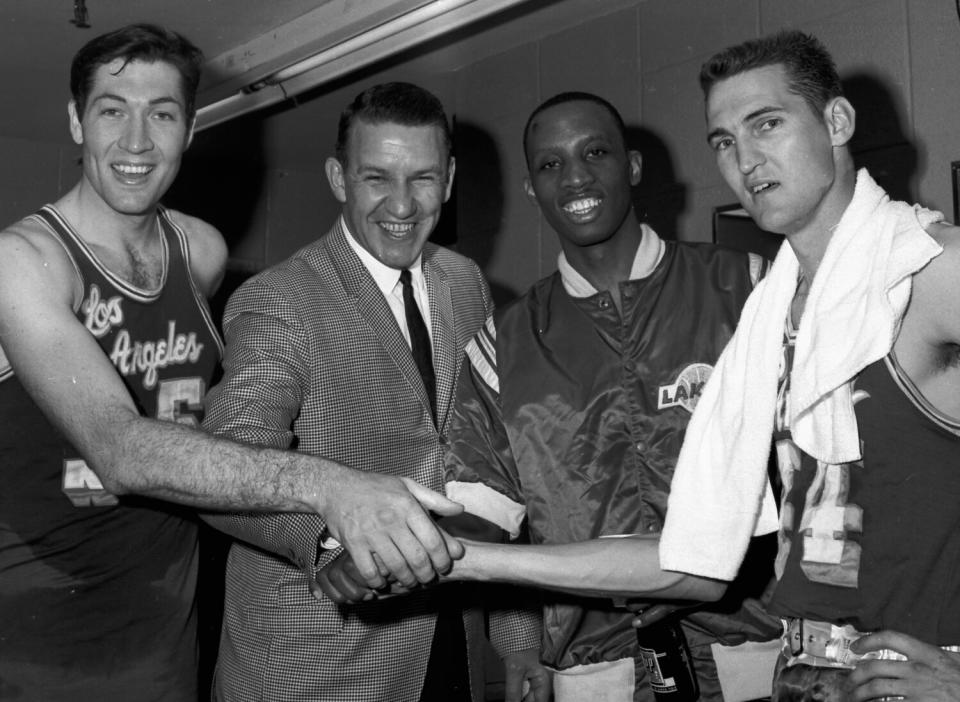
<point>472,220</point>
<point>222,181</point>
<point>880,143</point>
<point>659,199</point>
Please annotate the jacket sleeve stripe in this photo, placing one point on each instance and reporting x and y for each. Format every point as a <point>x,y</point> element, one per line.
<point>481,350</point>
<point>484,501</point>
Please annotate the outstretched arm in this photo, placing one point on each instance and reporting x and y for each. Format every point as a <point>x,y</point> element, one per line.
<point>615,567</point>
<point>73,382</point>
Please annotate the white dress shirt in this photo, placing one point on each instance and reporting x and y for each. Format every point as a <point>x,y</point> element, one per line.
<point>388,280</point>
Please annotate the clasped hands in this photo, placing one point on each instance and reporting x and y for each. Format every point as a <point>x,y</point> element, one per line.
<point>343,582</point>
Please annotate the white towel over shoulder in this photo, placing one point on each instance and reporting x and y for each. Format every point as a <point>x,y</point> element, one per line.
<point>720,494</point>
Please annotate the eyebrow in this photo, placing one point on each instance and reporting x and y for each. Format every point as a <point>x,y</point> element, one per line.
<point>366,169</point>
<point>759,112</point>
<point>156,101</point>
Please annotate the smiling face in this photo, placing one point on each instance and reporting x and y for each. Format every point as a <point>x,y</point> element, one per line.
<point>581,174</point>
<point>392,186</point>
<point>786,164</point>
<point>133,132</point>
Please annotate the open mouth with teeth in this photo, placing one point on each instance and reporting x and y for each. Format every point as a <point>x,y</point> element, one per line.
<point>131,171</point>
<point>583,206</point>
<point>397,228</point>
<point>761,187</point>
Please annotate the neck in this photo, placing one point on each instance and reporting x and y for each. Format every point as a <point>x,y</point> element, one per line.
<point>606,264</point>
<point>810,243</point>
<point>99,224</point>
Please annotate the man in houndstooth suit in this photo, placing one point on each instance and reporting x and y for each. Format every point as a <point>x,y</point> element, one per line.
<point>319,359</point>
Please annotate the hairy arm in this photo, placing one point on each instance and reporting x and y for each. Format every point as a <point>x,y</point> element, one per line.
<point>73,382</point>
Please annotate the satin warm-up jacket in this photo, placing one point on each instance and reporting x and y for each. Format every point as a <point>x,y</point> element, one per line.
<point>572,414</point>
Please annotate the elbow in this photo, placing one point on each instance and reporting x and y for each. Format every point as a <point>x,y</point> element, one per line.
<point>709,590</point>
<point>111,480</point>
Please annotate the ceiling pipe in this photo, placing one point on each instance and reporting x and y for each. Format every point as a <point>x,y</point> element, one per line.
<point>379,42</point>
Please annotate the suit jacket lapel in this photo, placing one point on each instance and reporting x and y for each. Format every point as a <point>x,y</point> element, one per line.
<point>374,310</point>
<point>443,329</point>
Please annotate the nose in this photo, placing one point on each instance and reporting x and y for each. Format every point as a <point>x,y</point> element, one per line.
<point>136,135</point>
<point>400,202</point>
<point>748,156</point>
<point>576,174</point>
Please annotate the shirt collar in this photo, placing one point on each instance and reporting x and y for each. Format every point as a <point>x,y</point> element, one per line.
<point>384,276</point>
<point>649,253</point>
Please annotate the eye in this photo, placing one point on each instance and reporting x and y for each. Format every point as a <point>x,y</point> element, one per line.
<point>111,112</point>
<point>768,124</point>
<point>549,165</point>
<point>165,116</point>
<point>722,144</point>
<point>597,152</point>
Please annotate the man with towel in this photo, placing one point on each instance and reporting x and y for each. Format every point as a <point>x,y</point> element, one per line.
<point>848,354</point>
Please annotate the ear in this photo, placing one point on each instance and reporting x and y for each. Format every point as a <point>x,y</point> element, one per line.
<point>76,129</point>
<point>841,120</point>
<point>528,189</point>
<point>335,177</point>
<point>636,166</point>
<point>451,169</point>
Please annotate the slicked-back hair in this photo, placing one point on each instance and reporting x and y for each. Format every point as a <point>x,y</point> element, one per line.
<point>397,103</point>
<point>149,43</point>
<point>811,72</point>
<point>573,96</point>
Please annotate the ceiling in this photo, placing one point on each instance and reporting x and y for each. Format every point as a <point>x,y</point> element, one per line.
<point>246,43</point>
<point>39,40</point>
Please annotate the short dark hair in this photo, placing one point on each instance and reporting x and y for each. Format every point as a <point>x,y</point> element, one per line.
<point>137,42</point>
<point>400,103</point>
<point>573,96</point>
<point>811,72</point>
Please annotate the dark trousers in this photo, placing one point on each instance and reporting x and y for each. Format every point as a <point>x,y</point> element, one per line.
<point>447,678</point>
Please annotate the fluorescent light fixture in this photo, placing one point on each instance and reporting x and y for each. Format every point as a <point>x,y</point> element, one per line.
<point>378,42</point>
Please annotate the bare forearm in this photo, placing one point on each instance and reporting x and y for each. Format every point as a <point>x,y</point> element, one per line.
<point>185,465</point>
<point>622,567</point>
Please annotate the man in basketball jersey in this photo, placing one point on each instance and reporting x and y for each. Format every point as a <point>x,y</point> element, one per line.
<point>854,343</point>
<point>106,351</point>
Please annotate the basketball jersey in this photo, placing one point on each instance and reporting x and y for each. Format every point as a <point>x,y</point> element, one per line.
<point>874,543</point>
<point>97,592</point>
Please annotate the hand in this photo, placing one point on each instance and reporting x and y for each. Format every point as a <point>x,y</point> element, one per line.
<point>526,678</point>
<point>340,581</point>
<point>383,523</point>
<point>929,675</point>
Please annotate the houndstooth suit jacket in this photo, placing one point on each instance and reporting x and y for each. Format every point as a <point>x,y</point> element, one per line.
<point>315,361</point>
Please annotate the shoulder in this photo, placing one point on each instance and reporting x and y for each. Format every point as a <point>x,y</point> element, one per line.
<point>459,269</point>
<point>294,286</point>
<point>448,260</point>
<point>942,274</point>
<point>208,250</point>
<point>945,234</point>
<point>935,298</point>
<point>724,260</point>
<point>31,254</point>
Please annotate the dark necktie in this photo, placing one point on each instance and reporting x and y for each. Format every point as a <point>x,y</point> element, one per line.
<point>419,341</point>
